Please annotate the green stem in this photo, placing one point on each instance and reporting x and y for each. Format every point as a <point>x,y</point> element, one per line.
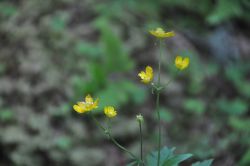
<point>159,63</point>
<point>107,132</point>
<point>97,123</point>
<point>121,147</point>
<point>159,125</point>
<point>140,126</point>
<point>157,105</point>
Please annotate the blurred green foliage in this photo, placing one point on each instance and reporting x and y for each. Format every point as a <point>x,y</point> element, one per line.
<point>54,52</point>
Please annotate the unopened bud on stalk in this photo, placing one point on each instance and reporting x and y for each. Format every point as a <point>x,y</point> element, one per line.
<point>139,118</point>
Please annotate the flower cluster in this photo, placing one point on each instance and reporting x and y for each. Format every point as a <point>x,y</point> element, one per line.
<point>89,104</point>
<point>147,77</point>
<point>181,63</point>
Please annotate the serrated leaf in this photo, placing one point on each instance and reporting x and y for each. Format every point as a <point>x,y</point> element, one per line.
<point>175,160</point>
<point>165,153</point>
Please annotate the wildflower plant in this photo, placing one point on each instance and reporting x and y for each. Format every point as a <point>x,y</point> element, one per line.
<point>163,156</point>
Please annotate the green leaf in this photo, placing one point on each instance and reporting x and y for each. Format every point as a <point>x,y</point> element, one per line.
<point>116,57</point>
<point>196,106</point>
<point>225,10</point>
<point>167,158</point>
<point>203,163</point>
<point>196,75</point>
<point>244,88</point>
<point>233,107</point>
<point>2,68</point>
<point>6,115</point>
<point>240,124</point>
<point>245,160</point>
<point>81,86</point>
<point>63,142</point>
<point>109,96</point>
<point>135,92</point>
<point>62,110</point>
<point>165,153</point>
<point>7,9</point>
<point>165,114</point>
<point>234,74</point>
<point>87,49</point>
<point>128,91</point>
<point>59,21</point>
<point>98,74</point>
<point>191,5</point>
<point>175,160</point>
<point>237,75</point>
<point>134,163</point>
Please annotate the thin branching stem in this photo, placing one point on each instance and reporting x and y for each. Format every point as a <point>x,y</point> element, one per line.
<point>141,140</point>
<point>108,133</point>
<point>157,103</point>
<point>121,147</point>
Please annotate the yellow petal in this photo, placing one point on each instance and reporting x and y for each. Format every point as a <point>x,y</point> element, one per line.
<point>88,99</point>
<point>178,60</point>
<point>81,104</point>
<point>185,63</point>
<point>78,109</point>
<point>153,33</point>
<point>147,76</point>
<point>142,74</point>
<point>95,104</point>
<point>160,33</point>
<point>159,30</point>
<point>109,111</point>
<point>105,110</point>
<point>149,70</point>
<point>169,34</point>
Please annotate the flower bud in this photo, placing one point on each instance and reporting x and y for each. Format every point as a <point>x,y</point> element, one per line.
<point>139,118</point>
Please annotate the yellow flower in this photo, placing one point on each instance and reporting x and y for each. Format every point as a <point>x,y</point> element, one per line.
<point>181,63</point>
<point>147,75</point>
<point>87,105</point>
<point>160,33</point>
<point>110,112</point>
